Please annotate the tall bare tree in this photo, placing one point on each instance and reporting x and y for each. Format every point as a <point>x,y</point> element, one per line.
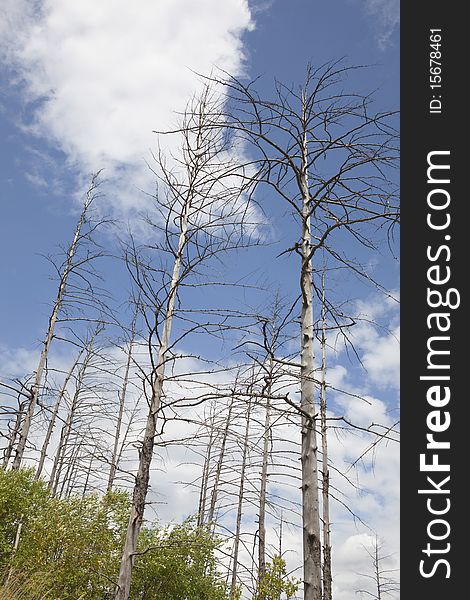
<point>70,265</point>
<point>241,490</point>
<point>327,572</point>
<point>55,412</point>
<point>69,424</point>
<point>201,512</point>
<point>383,581</point>
<point>122,401</point>
<point>326,154</point>
<point>201,211</point>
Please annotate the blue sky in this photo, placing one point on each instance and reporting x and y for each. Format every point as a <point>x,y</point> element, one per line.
<point>42,168</point>
<point>82,86</point>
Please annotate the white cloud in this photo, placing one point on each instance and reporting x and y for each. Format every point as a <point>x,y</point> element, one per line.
<point>104,74</point>
<point>382,359</point>
<point>376,500</point>
<point>387,17</point>
<point>376,337</point>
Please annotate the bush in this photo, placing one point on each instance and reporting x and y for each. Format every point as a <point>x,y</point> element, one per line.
<point>71,548</point>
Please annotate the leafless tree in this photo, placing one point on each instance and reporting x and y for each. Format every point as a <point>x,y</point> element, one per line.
<point>327,155</point>
<point>74,263</point>
<point>327,573</point>
<point>69,427</point>
<point>210,426</point>
<point>201,208</point>
<point>241,489</point>
<point>383,582</point>
<point>55,412</point>
<point>14,424</point>
<point>117,444</point>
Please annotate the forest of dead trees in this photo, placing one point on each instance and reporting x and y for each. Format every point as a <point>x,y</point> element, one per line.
<point>201,382</point>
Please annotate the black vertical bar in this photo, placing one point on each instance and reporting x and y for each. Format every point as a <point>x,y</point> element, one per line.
<point>433,273</point>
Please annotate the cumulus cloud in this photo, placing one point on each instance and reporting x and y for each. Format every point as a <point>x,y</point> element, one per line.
<point>101,76</point>
<point>376,337</point>
<point>369,489</point>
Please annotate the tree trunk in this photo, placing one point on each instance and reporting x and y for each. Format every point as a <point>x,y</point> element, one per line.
<point>122,403</point>
<point>205,478</point>
<point>14,433</point>
<point>377,568</point>
<point>55,412</point>
<point>310,499</point>
<point>263,486</point>
<point>67,426</point>
<point>88,473</point>
<point>236,546</point>
<point>218,471</point>
<point>64,440</point>
<point>327,572</point>
<point>146,451</point>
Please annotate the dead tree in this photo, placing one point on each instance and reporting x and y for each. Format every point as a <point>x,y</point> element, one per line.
<point>55,412</point>
<point>122,402</point>
<point>201,512</point>
<point>70,421</point>
<point>220,463</point>
<point>271,330</point>
<point>383,582</point>
<point>327,156</point>
<point>264,484</point>
<point>15,428</point>
<point>69,266</point>
<point>201,211</point>
<point>241,489</point>
<point>327,572</point>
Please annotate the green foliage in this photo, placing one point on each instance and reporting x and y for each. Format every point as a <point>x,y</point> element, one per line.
<point>76,543</point>
<point>70,549</point>
<point>20,498</point>
<point>177,563</point>
<point>276,582</point>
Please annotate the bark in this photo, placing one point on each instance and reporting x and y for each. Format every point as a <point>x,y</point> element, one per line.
<point>88,473</point>
<point>327,572</point>
<point>310,496</point>
<point>38,378</point>
<point>14,433</point>
<point>146,451</point>
<point>241,489</point>
<point>377,569</point>
<point>263,486</point>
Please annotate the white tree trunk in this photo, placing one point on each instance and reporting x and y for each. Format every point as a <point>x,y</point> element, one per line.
<point>241,490</point>
<point>327,571</point>
<point>53,418</point>
<point>264,485</point>
<point>310,496</point>
<point>36,387</point>
<point>146,451</point>
<point>122,404</point>
<point>218,471</point>
<point>205,478</point>
<point>14,433</point>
